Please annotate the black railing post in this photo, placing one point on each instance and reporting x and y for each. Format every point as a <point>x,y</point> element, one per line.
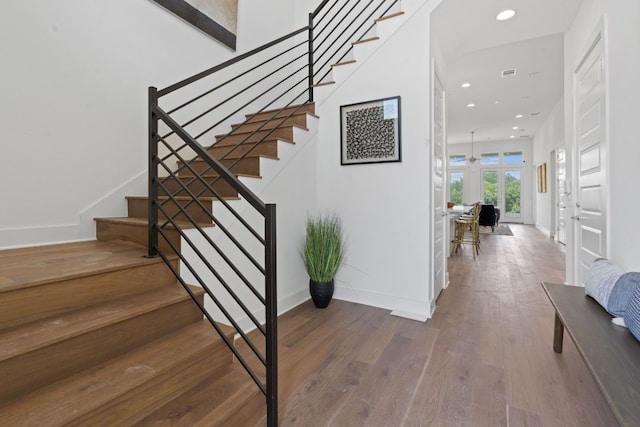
<point>271,315</point>
<point>153,173</point>
<point>311,57</point>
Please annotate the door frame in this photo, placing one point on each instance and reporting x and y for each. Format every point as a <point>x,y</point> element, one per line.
<point>573,259</point>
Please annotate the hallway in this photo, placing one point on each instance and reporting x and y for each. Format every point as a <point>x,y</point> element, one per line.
<point>484,359</point>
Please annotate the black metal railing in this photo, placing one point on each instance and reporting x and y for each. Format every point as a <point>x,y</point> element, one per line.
<point>230,249</point>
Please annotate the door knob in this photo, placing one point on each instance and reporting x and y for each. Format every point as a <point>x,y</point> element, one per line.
<point>576,217</point>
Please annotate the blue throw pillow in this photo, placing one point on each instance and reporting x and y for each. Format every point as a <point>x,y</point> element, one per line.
<point>632,314</point>
<point>601,279</point>
<point>621,294</point>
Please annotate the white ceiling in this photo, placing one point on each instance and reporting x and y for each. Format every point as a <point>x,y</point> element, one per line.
<point>477,48</point>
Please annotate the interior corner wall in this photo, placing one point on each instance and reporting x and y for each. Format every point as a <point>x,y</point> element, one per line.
<point>621,44</point>
<point>549,136</point>
<point>74,103</point>
<point>384,207</point>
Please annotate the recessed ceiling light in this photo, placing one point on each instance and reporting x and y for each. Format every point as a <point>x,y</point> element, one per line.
<point>471,105</point>
<point>519,116</point>
<point>512,136</point>
<point>466,84</point>
<point>505,15</point>
<point>515,128</point>
<point>497,102</point>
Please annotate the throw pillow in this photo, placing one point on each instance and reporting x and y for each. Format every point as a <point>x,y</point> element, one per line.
<point>601,278</point>
<point>621,294</point>
<point>632,314</point>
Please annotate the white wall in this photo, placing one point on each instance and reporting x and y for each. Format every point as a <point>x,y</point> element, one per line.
<point>473,172</point>
<point>622,43</point>
<point>384,207</point>
<point>548,137</point>
<point>74,89</point>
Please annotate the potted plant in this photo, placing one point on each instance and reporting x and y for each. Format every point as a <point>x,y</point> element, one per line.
<point>323,254</point>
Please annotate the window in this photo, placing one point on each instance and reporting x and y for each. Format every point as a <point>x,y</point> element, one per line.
<point>490,187</point>
<point>456,186</point>
<point>512,158</point>
<point>490,159</point>
<point>457,160</point>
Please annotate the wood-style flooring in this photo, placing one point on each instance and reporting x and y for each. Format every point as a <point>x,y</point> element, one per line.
<point>484,359</point>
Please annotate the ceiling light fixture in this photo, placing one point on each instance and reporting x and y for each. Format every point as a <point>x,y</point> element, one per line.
<point>515,128</point>
<point>472,159</point>
<point>471,105</point>
<point>465,85</point>
<point>519,116</point>
<point>505,15</point>
<point>512,136</point>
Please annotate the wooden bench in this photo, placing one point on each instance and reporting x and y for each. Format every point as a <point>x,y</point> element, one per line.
<point>611,353</point>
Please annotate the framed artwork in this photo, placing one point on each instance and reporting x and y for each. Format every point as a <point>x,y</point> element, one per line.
<point>217,18</point>
<point>542,178</point>
<point>370,132</point>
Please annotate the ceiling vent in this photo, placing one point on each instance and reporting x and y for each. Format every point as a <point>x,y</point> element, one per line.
<point>537,113</point>
<point>509,73</point>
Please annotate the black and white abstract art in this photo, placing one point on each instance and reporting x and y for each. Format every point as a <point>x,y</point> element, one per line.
<point>370,132</point>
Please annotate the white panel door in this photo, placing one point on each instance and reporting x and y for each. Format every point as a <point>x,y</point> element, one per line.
<point>591,146</point>
<point>563,195</point>
<point>440,215</point>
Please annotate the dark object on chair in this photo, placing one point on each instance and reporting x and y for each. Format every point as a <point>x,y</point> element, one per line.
<point>497,215</point>
<point>487,216</point>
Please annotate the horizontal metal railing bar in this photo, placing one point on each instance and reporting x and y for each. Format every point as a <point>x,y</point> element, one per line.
<point>201,281</point>
<point>319,8</point>
<point>229,344</point>
<point>209,187</point>
<point>230,263</point>
<point>204,154</point>
<point>328,24</point>
<point>245,89</point>
<point>230,236</point>
<point>351,36</point>
<point>337,38</point>
<point>281,119</point>
<point>213,297</point>
<point>224,282</point>
<point>346,15</point>
<point>284,79</point>
<point>239,144</point>
<point>236,77</point>
<point>225,64</point>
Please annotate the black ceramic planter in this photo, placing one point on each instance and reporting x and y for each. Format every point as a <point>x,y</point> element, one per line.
<point>321,293</point>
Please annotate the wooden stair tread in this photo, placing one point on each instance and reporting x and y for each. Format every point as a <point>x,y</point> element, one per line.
<point>61,402</point>
<point>183,198</point>
<point>338,64</point>
<point>225,142</point>
<point>367,40</point>
<point>391,15</point>
<point>211,401</point>
<point>25,338</point>
<point>144,222</point>
<point>45,264</point>
<point>304,108</point>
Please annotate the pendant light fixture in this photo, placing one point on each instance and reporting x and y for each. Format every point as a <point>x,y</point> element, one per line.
<point>472,159</point>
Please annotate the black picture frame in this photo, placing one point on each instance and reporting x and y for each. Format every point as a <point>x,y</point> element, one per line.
<point>202,20</point>
<point>370,132</point>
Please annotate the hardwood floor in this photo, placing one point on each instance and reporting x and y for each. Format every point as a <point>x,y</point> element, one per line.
<point>484,359</point>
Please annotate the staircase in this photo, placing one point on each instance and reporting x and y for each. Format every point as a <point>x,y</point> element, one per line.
<point>108,337</point>
<point>98,334</point>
